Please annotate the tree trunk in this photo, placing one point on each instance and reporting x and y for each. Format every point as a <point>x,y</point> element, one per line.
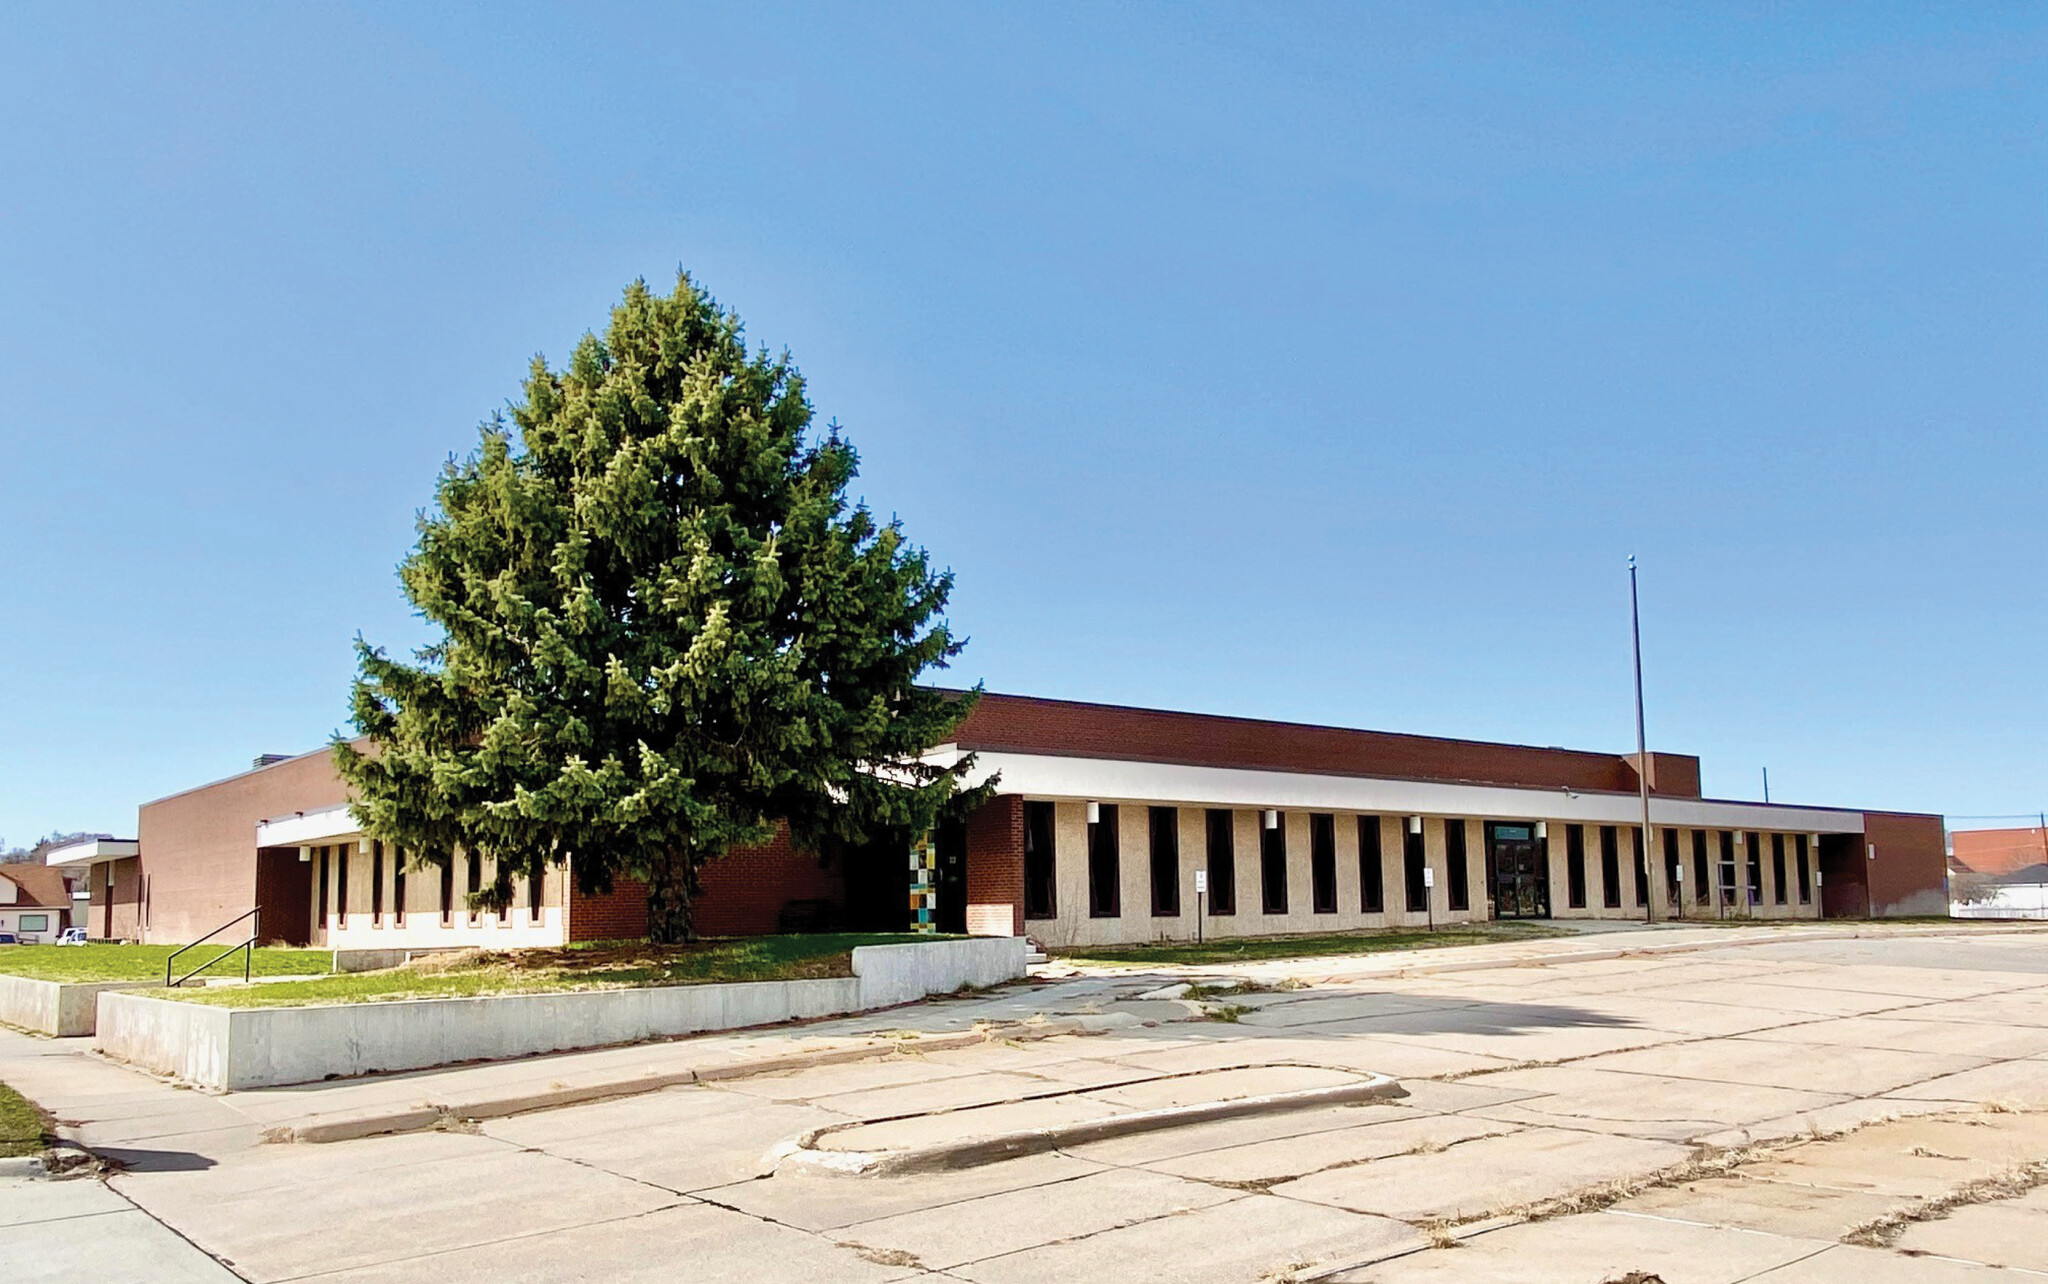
<point>671,896</point>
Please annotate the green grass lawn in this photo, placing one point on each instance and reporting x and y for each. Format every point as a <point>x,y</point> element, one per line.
<point>146,962</point>
<point>21,1125</point>
<point>603,966</point>
<point>1259,949</point>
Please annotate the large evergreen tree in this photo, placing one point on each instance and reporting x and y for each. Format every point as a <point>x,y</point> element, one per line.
<point>663,629</point>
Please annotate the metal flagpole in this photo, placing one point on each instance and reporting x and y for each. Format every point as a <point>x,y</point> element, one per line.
<point>1635,620</point>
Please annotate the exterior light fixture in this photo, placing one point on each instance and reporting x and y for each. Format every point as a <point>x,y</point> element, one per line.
<point>1738,837</point>
<point>1542,831</point>
<point>1415,824</point>
<point>305,855</point>
<point>1272,819</point>
<point>1814,839</point>
<point>1095,813</point>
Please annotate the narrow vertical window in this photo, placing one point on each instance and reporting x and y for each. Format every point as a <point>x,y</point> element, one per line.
<point>1642,868</point>
<point>1456,875</point>
<point>1222,862</point>
<point>1104,876</point>
<point>1273,864</point>
<point>1702,871</point>
<point>1372,892</point>
<point>377,884</point>
<point>1165,862</point>
<point>1778,868</point>
<point>323,886</point>
<point>341,883</point>
<point>397,888</point>
<point>1041,899</point>
<point>1805,873</point>
<point>1727,869</point>
<point>1674,881</point>
<point>536,890</point>
<point>1322,862</point>
<point>1610,867</point>
<point>1575,866</point>
<point>505,908</point>
<point>448,890</point>
<point>1414,861</point>
<point>1756,870</point>
<point>476,881</point>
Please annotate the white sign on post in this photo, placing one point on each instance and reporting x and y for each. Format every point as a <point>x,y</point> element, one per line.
<point>1428,876</point>
<point>1201,881</point>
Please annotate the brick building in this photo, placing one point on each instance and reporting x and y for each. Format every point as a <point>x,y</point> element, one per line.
<point>1110,825</point>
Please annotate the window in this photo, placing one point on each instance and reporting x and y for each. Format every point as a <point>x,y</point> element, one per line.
<point>1414,861</point>
<point>1642,867</point>
<point>1575,866</point>
<point>1778,868</point>
<point>33,923</point>
<point>536,888</point>
<point>1756,870</point>
<point>1040,898</point>
<point>1805,879</point>
<point>1455,873</point>
<point>1165,862</point>
<point>497,871</point>
<point>1104,877</point>
<point>1372,892</point>
<point>397,888</point>
<point>1674,881</point>
<point>323,885</point>
<point>1322,862</point>
<point>1610,867</point>
<point>1727,869</point>
<point>448,891</point>
<point>1222,862</point>
<point>1702,872</point>
<point>476,881</point>
<point>341,884</point>
<point>1273,864</point>
<point>376,884</point>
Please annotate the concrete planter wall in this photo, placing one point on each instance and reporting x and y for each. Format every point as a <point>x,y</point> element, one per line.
<point>233,1048</point>
<point>59,1008</point>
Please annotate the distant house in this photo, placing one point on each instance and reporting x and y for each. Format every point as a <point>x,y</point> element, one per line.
<point>1999,873</point>
<point>35,901</point>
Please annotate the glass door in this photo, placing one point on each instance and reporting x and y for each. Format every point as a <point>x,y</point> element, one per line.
<point>1521,871</point>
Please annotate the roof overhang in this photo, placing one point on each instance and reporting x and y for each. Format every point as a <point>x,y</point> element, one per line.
<point>303,828</point>
<point>91,851</point>
<point>1110,779</point>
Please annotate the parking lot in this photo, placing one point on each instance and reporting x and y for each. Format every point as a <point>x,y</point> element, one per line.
<point>1772,1104</point>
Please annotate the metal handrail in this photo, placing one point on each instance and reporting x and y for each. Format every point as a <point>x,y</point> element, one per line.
<point>247,947</point>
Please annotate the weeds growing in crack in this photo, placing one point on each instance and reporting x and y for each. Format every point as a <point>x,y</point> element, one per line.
<point>1228,1012</point>
<point>1880,1232</point>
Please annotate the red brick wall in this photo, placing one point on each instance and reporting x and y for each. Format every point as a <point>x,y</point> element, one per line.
<point>1910,874</point>
<point>745,890</point>
<point>1025,724</point>
<point>743,895</point>
<point>995,868</point>
<point>620,915</point>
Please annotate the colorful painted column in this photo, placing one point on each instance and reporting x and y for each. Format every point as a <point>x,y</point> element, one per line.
<point>924,892</point>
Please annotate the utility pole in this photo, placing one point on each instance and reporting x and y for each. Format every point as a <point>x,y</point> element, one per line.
<point>1635,620</point>
<point>1767,784</point>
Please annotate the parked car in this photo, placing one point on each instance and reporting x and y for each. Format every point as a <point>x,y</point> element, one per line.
<point>9,938</point>
<point>71,936</point>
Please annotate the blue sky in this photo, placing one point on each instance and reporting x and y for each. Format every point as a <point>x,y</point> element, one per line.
<point>1321,363</point>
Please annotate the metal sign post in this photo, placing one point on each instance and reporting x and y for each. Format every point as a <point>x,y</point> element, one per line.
<point>1201,890</point>
<point>1428,894</point>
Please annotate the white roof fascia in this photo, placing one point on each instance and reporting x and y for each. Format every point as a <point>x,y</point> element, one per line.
<point>1111,780</point>
<point>91,851</point>
<point>303,828</point>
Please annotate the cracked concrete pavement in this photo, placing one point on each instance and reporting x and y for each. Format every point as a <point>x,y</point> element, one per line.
<point>1567,1119</point>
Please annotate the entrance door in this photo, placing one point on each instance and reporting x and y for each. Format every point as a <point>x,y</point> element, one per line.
<point>950,911</point>
<point>1521,871</point>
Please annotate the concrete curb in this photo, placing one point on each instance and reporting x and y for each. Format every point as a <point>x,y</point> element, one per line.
<point>381,1121</point>
<point>23,1166</point>
<point>971,1152</point>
